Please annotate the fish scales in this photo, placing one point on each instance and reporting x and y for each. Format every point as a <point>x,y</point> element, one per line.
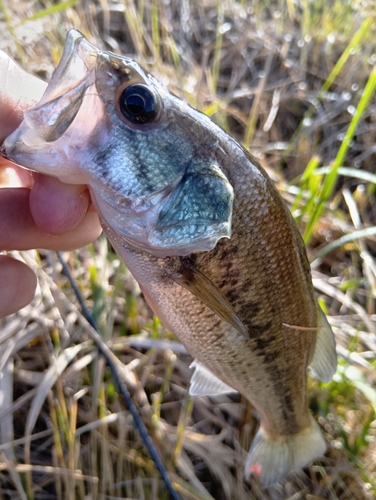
<point>203,230</point>
<point>268,358</point>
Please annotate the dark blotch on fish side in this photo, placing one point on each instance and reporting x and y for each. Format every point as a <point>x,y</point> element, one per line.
<point>142,176</point>
<point>224,250</point>
<point>269,357</point>
<point>259,329</point>
<point>249,310</point>
<point>288,402</point>
<point>262,343</point>
<point>100,160</point>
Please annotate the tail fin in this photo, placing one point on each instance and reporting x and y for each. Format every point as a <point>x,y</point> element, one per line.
<point>274,458</point>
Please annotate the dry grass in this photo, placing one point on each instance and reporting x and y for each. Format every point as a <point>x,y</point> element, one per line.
<point>286,78</point>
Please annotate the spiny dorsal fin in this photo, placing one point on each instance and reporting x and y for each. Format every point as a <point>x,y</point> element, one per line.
<point>202,287</point>
<point>204,383</point>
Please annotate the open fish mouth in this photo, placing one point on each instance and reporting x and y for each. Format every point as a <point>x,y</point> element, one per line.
<point>63,97</point>
<point>35,143</point>
<point>79,59</point>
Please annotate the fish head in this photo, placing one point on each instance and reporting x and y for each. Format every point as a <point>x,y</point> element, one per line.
<point>105,122</point>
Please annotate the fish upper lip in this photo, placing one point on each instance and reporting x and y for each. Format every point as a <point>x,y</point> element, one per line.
<point>77,62</point>
<point>75,39</point>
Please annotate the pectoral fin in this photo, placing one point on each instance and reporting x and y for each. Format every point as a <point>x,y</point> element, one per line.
<point>202,287</point>
<point>204,383</point>
<point>324,362</point>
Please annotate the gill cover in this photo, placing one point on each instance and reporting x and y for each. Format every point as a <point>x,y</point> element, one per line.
<point>105,122</point>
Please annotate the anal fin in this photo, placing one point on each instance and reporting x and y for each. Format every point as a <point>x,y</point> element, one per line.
<point>204,383</point>
<point>324,362</point>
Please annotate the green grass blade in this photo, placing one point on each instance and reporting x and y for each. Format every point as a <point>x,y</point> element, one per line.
<point>54,9</point>
<point>331,178</point>
<point>353,45</point>
<point>313,163</point>
<point>347,238</point>
<point>349,172</point>
<point>155,25</point>
<point>218,47</point>
<point>135,27</point>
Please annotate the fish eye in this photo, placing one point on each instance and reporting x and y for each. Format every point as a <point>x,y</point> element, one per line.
<point>137,104</point>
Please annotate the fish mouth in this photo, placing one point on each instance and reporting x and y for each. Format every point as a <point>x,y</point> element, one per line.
<point>34,143</point>
<point>63,97</point>
<point>79,59</point>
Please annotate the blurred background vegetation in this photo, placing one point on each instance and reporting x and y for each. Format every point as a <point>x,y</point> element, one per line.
<point>294,81</point>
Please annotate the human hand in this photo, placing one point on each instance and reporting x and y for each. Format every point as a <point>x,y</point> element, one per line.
<point>36,211</point>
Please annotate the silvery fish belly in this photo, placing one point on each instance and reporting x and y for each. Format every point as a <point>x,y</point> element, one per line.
<point>204,231</point>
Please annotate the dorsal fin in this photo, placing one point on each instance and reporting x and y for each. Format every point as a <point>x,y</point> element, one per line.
<point>324,362</point>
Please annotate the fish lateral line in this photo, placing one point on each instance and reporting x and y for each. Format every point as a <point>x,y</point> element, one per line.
<point>190,278</point>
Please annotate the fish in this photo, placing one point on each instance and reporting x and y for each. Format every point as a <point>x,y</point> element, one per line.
<point>204,231</point>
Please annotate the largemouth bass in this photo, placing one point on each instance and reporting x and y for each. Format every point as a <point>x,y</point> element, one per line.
<point>204,231</point>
